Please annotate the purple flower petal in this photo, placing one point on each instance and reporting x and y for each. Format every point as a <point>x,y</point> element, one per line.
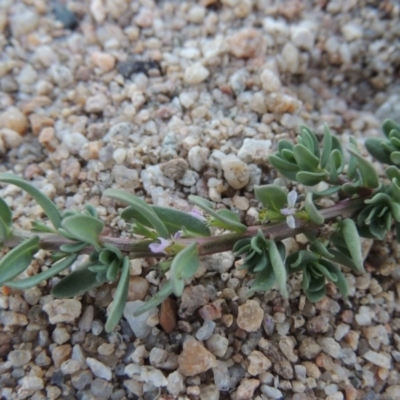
<point>177,234</point>
<point>287,211</point>
<point>160,247</point>
<point>291,198</point>
<point>197,214</point>
<point>291,222</point>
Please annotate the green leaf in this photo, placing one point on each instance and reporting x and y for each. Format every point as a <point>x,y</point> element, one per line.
<point>165,291</point>
<point>312,211</point>
<point>140,229</point>
<point>305,283</point>
<point>76,283</point>
<point>40,227</point>
<point>335,162</point>
<point>316,282</point>
<point>114,249</point>
<point>297,261</point>
<point>73,247</point>
<point>392,172</point>
<point>240,245</point>
<point>112,270</point>
<point>288,155</point>
<point>263,282</point>
<point>184,266</point>
<point>84,228</point>
<point>351,188</point>
<point>285,145</point>
<point>258,242</point>
<point>120,297</point>
<point>281,164</point>
<point>383,199</point>
<point>262,262</point>
<point>207,207</point>
<point>18,259</point>
<point>369,175</point>
<point>305,159</point>
<point>148,213</point>
<point>310,178</point>
<point>324,271</point>
<point>315,296</point>
<point>375,148</point>
<point>271,196</point>
<point>395,157</point>
<point>395,190</point>
<point>341,281</point>
<point>319,248</point>
<point>98,268</point>
<point>326,146</point>
<point>352,164</point>
<point>278,267</point>
<point>227,215</point>
<point>47,205</point>
<point>309,140</point>
<point>174,220</point>
<point>5,220</point>
<point>343,259</point>
<point>91,210</point>
<point>390,125</point>
<point>327,192</point>
<point>34,280</point>
<point>101,277</point>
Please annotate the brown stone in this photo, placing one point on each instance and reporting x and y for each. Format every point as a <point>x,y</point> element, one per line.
<point>168,317</point>
<point>36,102</point>
<point>14,119</point>
<point>324,361</point>
<point>40,121</point>
<point>60,354</point>
<point>246,389</point>
<point>195,358</point>
<point>211,311</point>
<point>246,43</point>
<point>250,316</point>
<point>284,369</point>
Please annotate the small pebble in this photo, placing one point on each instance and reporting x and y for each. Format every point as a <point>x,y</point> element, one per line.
<point>195,359</point>
<point>99,369</point>
<point>250,316</point>
<point>196,74</point>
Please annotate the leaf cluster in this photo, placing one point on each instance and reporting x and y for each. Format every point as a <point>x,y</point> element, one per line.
<point>309,165</point>
<point>265,259</point>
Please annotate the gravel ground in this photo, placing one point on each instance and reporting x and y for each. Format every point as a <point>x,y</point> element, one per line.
<point>170,98</point>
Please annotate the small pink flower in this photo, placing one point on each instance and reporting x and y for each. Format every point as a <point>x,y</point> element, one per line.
<point>160,247</point>
<point>177,234</point>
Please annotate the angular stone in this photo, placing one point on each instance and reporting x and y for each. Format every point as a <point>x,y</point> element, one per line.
<point>19,358</point>
<point>309,349</point>
<point>236,172</point>
<point>250,316</point>
<point>192,298</point>
<point>15,120</point>
<point>258,363</point>
<point>246,389</point>
<point>65,310</point>
<point>195,359</point>
<point>379,359</point>
<point>138,324</point>
<point>99,369</point>
<point>60,353</point>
